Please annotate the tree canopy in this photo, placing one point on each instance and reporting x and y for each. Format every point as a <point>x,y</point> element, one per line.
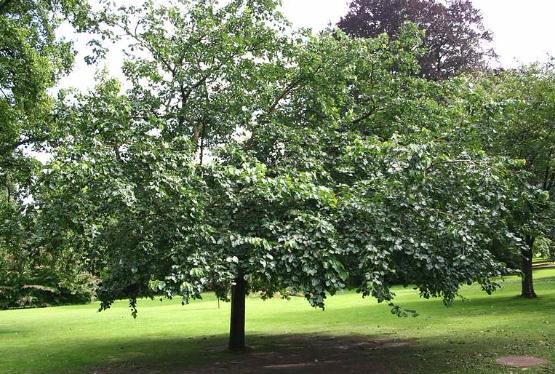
<point>331,164</point>
<point>517,112</point>
<point>32,59</point>
<point>245,156</point>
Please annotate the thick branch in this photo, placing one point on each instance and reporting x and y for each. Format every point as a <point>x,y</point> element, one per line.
<point>117,153</point>
<point>547,176</point>
<point>363,117</point>
<point>290,87</point>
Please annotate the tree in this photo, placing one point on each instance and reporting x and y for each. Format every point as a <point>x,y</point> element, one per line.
<point>345,156</point>
<point>37,272</point>
<point>32,58</point>
<point>517,115</point>
<point>455,37</point>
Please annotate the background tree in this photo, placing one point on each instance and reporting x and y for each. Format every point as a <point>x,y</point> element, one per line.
<point>32,58</point>
<point>516,114</point>
<point>455,37</point>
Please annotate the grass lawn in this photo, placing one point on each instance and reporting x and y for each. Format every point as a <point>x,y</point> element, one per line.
<point>169,338</point>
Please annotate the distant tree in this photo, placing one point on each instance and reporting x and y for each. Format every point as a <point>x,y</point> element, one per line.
<point>516,112</point>
<point>32,59</point>
<point>455,37</point>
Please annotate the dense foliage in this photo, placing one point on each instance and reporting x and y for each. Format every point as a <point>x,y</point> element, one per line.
<point>246,156</point>
<point>31,61</point>
<point>251,156</point>
<point>516,109</point>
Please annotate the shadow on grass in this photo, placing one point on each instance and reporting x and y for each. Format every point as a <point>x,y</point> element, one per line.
<point>9,331</point>
<point>306,353</point>
<point>317,353</point>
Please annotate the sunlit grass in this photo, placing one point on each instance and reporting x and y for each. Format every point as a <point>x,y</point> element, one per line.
<point>464,338</point>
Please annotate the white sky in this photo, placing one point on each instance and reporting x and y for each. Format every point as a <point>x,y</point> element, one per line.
<point>524,31</point>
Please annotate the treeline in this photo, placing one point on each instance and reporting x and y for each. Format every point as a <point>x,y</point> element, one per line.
<point>249,156</point>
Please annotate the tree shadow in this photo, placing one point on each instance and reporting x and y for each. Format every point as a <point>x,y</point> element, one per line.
<point>304,353</point>
<point>10,331</point>
<point>291,353</point>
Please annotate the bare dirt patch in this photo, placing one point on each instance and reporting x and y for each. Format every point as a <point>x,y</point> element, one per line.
<point>299,354</point>
<point>316,354</point>
<point>521,361</point>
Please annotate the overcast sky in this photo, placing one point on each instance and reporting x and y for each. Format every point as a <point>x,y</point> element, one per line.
<point>524,30</point>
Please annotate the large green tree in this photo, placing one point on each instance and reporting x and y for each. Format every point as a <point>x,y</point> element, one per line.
<point>331,164</point>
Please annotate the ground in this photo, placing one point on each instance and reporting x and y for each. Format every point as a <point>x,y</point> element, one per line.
<point>351,335</point>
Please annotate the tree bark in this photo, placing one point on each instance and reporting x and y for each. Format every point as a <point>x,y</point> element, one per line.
<point>237,321</point>
<point>527,274</point>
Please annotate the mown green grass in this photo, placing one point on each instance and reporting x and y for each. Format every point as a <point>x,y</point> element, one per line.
<point>465,338</point>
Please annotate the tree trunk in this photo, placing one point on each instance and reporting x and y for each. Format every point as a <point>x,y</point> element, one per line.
<point>237,322</point>
<point>527,275</point>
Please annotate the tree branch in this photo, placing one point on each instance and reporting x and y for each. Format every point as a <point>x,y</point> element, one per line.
<point>363,117</point>
<point>290,87</point>
<point>287,90</point>
<point>27,141</point>
<point>547,175</point>
<point>148,46</point>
